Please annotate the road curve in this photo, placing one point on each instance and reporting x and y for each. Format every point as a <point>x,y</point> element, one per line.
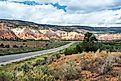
<point>17,57</point>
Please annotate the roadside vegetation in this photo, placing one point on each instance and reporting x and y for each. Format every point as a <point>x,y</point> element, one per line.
<point>91,44</point>
<point>90,60</point>
<point>16,47</point>
<point>98,66</point>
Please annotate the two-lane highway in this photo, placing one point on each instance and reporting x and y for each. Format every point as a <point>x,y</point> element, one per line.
<point>17,57</point>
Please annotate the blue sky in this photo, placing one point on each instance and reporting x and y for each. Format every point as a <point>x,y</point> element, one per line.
<point>63,12</point>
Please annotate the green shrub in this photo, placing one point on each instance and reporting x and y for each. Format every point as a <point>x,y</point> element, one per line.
<point>39,77</point>
<point>93,47</point>
<point>5,76</point>
<point>90,42</point>
<point>53,57</point>
<point>2,45</point>
<point>71,50</point>
<point>41,62</point>
<point>7,46</point>
<point>79,48</point>
<point>68,71</point>
<point>46,70</point>
<point>15,46</point>
<point>56,55</point>
<point>25,68</point>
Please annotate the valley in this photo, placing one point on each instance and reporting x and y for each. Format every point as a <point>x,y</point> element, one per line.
<point>60,40</point>
<point>62,66</point>
<point>58,53</point>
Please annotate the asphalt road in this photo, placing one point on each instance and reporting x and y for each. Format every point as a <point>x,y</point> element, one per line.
<point>17,57</point>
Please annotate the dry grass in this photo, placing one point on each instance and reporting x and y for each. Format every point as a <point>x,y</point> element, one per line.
<point>99,66</point>
<point>65,59</point>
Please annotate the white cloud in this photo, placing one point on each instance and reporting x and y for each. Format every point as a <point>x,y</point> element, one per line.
<point>26,12</point>
<point>47,14</point>
<point>86,5</point>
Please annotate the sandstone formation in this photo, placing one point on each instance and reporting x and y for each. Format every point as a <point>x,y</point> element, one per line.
<point>25,30</point>
<point>6,33</point>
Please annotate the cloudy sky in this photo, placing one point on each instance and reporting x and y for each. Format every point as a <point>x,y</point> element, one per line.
<point>63,12</point>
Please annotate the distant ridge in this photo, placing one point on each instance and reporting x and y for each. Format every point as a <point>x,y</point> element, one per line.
<point>17,30</point>
<point>68,28</point>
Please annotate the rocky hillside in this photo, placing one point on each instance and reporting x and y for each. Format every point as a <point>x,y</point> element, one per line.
<point>16,29</point>
<point>6,33</point>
